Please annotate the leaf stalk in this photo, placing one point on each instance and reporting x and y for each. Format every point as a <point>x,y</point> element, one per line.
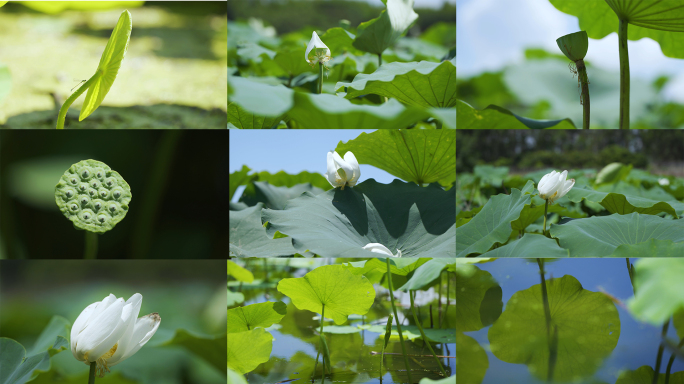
<point>65,107</point>
<point>624,74</point>
<point>394,309</point>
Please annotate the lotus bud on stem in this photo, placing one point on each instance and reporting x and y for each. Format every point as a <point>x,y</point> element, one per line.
<point>575,46</point>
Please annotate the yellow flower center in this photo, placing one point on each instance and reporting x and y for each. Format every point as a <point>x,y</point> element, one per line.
<point>102,361</point>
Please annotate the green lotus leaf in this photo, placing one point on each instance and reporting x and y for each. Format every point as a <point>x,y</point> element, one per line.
<point>530,246</point>
<point>314,111</point>
<point>235,378</point>
<point>426,274</point>
<point>644,375</point>
<point>586,324</point>
<point>253,52</point>
<point>471,360</point>
<point>246,350</point>
<point>658,20</point>
<point>341,329</point>
<point>209,348</point>
<point>334,286</point>
<point>54,7</point>
<point>612,173</point>
<point>678,322</point>
<point>478,300</point>
<point>251,316</point>
<point>293,61</point>
<point>423,84</point>
<point>338,40</point>
<point>421,156</point>
<point>489,174</point>
<point>338,223</point>
<point>284,179</point>
<point>650,248</point>
<point>398,266</point>
<point>5,81</point>
<point>378,34</point>
<point>446,115</point>
<point>275,197</point>
<point>495,117</point>
<point>110,62</point>
<point>530,214</point>
<point>599,236</point>
<point>241,118</point>
<point>258,98</point>
<point>237,179</point>
<point>239,273</point>
<point>248,237</point>
<point>355,63</point>
<point>625,204</point>
<point>411,332</point>
<point>93,196</point>
<point>658,284</point>
<point>493,224</point>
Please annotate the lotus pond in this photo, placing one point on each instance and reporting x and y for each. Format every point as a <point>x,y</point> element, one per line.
<point>569,320</point>
<point>274,321</point>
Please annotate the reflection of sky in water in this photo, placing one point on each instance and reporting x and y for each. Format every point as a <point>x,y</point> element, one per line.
<point>638,343</point>
<point>285,346</point>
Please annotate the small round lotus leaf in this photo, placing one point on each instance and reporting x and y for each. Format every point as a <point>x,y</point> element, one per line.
<point>83,196</point>
<point>574,45</point>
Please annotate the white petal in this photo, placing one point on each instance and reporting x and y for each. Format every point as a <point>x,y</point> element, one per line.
<point>567,186</point>
<point>315,42</point>
<point>144,329</point>
<point>346,167</point>
<point>78,326</point>
<point>99,329</point>
<point>378,248</point>
<point>331,174</point>
<point>351,160</point>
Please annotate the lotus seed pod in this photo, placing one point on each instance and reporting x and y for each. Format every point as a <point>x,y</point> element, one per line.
<point>574,45</point>
<point>93,196</point>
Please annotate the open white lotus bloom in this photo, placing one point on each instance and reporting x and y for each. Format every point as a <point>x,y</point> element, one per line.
<point>321,51</point>
<point>342,172</point>
<point>109,331</point>
<point>554,185</point>
<point>379,248</point>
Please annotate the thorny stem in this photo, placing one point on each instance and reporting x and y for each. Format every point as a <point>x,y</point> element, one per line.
<point>661,349</point>
<point>584,81</point>
<point>396,316</point>
<point>669,363</point>
<point>546,212</point>
<point>420,328</point>
<point>90,245</point>
<point>91,374</point>
<point>320,78</point>
<point>624,75</point>
<point>65,107</point>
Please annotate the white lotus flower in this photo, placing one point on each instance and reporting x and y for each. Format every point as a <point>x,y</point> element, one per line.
<point>342,172</point>
<point>379,248</point>
<point>321,51</point>
<point>109,331</point>
<point>664,182</point>
<point>554,185</point>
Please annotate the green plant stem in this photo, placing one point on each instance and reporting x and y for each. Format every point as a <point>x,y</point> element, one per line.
<point>420,328</point>
<point>661,349</point>
<point>379,60</point>
<point>630,270</point>
<point>320,343</point>
<point>624,75</point>
<point>91,374</point>
<point>65,107</point>
<point>546,212</point>
<point>669,363</point>
<point>320,78</point>
<point>584,83</point>
<point>396,316</point>
<point>545,298</point>
<point>90,245</point>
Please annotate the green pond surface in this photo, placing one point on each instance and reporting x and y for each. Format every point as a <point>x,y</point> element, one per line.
<point>502,335</point>
<point>296,340</point>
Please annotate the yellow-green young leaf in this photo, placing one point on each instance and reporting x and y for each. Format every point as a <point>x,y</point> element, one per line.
<point>239,273</point>
<point>249,317</point>
<point>246,350</point>
<point>109,65</point>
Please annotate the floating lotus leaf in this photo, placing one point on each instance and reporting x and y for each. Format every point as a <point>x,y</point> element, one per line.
<point>478,300</point>
<point>625,204</point>
<point>471,360</point>
<point>411,332</point>
<point>248,237</point>
<point>338,223</point>
<point>644,375</point>
<point>93,196</point>
<point>334,286</point>
<point>659,285</point>
<point>495,117</point>
<point>246,350</point>
<point>587,327</point>
<point>599,236</point>
<point>251,316</point>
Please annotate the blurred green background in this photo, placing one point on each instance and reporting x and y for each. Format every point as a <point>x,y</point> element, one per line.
<point>179,182</point>
<point>188,295</point>
<point>173,75</point>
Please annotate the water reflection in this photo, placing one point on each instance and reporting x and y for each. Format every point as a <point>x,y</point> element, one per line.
<point>576,330</point>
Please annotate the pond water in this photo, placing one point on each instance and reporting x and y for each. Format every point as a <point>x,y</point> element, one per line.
<point>596,338</point>
<point>352,350</point>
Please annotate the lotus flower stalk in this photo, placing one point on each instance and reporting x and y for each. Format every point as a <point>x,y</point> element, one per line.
<point>552,187</point>
<point>575,46</point>
<point>321,56</point>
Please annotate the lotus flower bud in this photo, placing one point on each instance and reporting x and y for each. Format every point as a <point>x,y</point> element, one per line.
<point>342,172</point>
<point>379,248</point>
<point>554,185</point>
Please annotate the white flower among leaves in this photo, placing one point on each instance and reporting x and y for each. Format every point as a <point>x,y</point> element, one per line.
<point>321,51</point>
<point>554,185</point>
<point>379,248</point>
<point>342,172</point>
<point>108,332</point>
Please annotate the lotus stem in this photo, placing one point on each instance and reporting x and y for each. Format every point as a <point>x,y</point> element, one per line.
<point>584,83</point>
<point>320,78</point>
<point>420,328</point>
<point>90,245</point>
<point>661,349</point>
<point>394,309</point>
<point>545,299</point>
<point>630,270</point>
<point>91,374</point>
<point>65,107</point>
<point>669,363</point>
<point>624,75</point>
<point>379,60</point>
<point>546,212</point>
<point>320,343</point>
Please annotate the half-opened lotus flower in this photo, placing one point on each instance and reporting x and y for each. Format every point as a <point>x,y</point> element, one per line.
<point>109,331</point>
<point>321,51</point>
<point>554,185</point>
<point>379,248</point>
<point>342,172</point>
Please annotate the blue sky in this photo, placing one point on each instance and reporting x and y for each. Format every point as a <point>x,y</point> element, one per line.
<point>293,151</point>
<point>494,33</point>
